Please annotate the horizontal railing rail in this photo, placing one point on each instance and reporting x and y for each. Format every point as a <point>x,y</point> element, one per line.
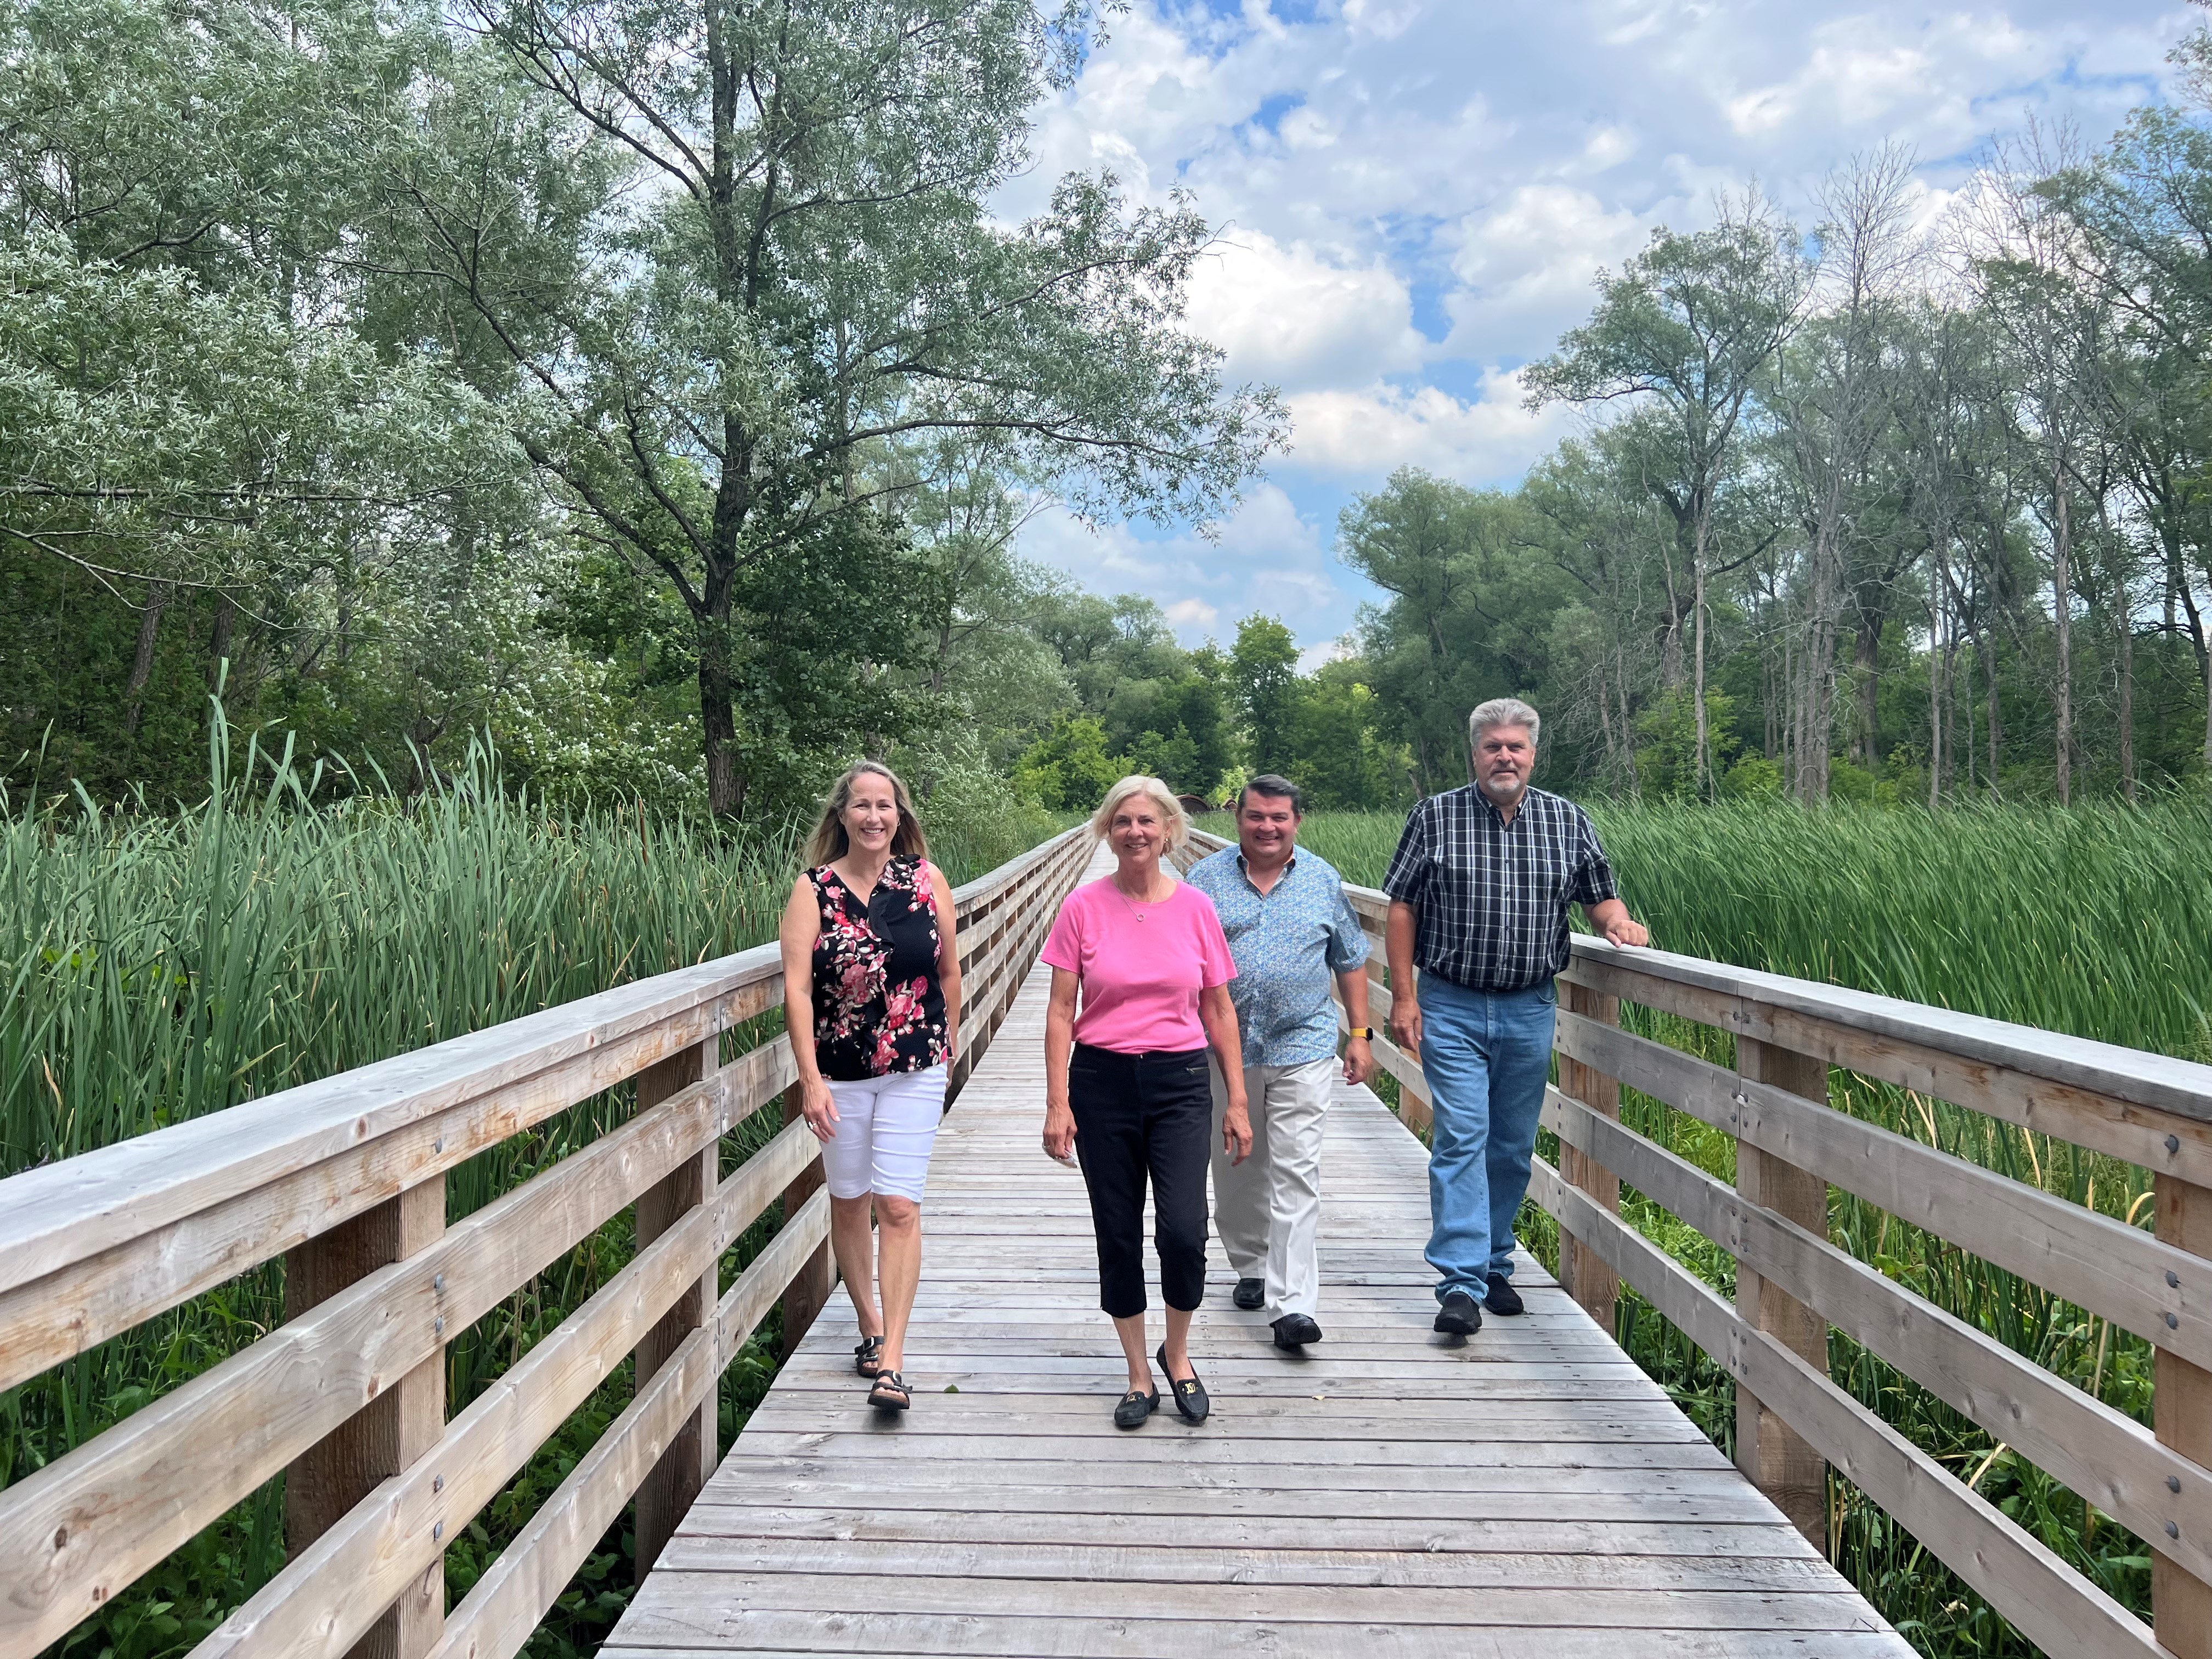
<point>345,1179</point>
<point>1794,1285</point>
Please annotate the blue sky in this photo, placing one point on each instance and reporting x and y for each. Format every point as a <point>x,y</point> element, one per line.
<point>1412,196</point>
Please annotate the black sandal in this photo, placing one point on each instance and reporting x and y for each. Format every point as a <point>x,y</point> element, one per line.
<point>1134,1407</point>
<point>891,1393</point>
<point>1190,1396</point>
<point>866,1358</point>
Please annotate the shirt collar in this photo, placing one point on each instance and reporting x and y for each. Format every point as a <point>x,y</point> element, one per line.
<point>1289,864</point>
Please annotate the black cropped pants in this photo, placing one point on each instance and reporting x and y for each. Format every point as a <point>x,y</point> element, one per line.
<point>1140,1116</point>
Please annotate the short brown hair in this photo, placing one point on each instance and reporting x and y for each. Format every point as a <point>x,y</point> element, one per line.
<point>1274,787</point>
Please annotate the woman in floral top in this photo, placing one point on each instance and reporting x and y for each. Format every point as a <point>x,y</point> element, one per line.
<point>872,1006</point>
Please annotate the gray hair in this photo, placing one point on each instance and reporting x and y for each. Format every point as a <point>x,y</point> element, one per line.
<point>1502,711</point>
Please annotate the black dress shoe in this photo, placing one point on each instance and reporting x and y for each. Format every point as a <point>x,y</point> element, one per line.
<point>1190,1396</point>
<point>1250,1294</point>
<point>1501,1297</point>
<point>1135,1406</point>
<point>1295,1331</point>
<point>1459,1316</point>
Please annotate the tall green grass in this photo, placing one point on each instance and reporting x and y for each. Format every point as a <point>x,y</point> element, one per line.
<point>161,967</point>
<point>2087,920</point>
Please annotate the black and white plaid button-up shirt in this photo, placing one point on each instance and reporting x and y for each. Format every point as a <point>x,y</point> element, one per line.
<point>1492,896</point>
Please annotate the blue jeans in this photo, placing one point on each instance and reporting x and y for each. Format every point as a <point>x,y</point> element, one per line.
<point>1487,1055</point>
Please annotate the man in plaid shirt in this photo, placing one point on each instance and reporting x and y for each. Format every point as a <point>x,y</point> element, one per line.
<point>1479,889</point>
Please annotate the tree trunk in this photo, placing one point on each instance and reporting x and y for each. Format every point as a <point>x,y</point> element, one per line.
<point>158,595</point>
<point>2061,608</point>
<point>1704,762</point>
<point>1936,678</point>
<point>726,793</point>
<point>2127,711</point>
<point>1997,719</point>
<point>1866,663</point>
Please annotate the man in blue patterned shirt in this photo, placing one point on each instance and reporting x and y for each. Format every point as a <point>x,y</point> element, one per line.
<point>1289,928</point>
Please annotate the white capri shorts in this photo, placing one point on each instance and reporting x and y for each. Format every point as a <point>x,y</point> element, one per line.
<point>885,1127</point>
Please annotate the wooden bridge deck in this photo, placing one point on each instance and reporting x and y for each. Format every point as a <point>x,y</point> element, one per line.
<point>1529,1492</point>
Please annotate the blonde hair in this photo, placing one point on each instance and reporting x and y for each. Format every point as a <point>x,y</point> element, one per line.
<point>1178,827</point>
<point>830,841</point>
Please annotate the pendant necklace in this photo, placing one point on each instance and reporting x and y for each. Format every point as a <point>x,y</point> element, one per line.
<point>1131,903</point>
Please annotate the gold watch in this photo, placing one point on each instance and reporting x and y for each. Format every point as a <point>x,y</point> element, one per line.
<point>1365,1033</point>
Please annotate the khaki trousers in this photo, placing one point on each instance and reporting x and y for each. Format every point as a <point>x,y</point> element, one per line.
<point>1266,1210</point>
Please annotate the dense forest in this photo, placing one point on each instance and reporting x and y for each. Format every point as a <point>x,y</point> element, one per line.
<point>658,395</point>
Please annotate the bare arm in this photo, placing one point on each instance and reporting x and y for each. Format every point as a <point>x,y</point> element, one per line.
<point>1219,1015</point>
<point>948,958</point>
<point>802,925</point>
<point>1398,951</point>
<point>1611,919</point>
<point>1059,1047</point>
<point>1359,1055</point>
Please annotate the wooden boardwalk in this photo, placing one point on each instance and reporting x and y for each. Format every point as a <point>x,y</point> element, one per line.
<point>1529,1492</point>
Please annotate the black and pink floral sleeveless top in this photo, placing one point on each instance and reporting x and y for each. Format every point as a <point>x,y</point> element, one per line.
<point>878,1008</point>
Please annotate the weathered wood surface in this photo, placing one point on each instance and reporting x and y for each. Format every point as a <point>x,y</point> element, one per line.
<point>1528,1492</point>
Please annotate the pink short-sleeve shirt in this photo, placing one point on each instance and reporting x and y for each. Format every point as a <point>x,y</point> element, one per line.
<point>1141,978</point>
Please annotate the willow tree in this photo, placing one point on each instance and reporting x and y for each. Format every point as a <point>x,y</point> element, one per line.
<point>755,255</point>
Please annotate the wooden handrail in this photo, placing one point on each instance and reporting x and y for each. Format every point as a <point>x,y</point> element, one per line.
<point>96,1244</point>
<point>2148,1110</point>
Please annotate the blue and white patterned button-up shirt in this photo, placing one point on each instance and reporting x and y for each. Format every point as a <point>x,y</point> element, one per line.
<point>1287,942</point>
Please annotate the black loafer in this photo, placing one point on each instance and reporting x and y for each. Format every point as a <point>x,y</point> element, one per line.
<point>1190,1396</point>
<point>1501,1297</point>
<point>1459,1316</point>
<point>1295,1331</point>
<point>1250,1294</point>
<point>1135,1406</point>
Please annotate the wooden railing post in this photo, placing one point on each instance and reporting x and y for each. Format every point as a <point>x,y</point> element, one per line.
<point>391,1432</point>
<point>811,1287</point>
<point>689,1460</point>
<point>1777,1459</point>
<point>1584,1273</point>
<point>2181,1602</point>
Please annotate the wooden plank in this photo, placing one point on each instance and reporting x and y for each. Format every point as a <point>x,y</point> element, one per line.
<point>1586,1275</point>
<point>2181,1573</point>
<point>1204,1532</point>
<point>811,1287</point>
<point>699,1606</point>
<point>1590,1491</point>
<point>692,1451</point>
<point>396,1428</point>
<point>497,1618</point>
<point>1021,1561</point>
<point>2167,1142</point>
<point>315,1605</point>
<point>790,1635</point>
<point>2045,1598</point>
<point>2092,1260</point>
<point>2133,1076</point>
<point>2101,1453</point>
<point>88,1524</point>
<point>1777,1459</point>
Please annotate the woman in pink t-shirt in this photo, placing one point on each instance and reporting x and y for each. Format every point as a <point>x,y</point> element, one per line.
<point>1126,1084</point>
